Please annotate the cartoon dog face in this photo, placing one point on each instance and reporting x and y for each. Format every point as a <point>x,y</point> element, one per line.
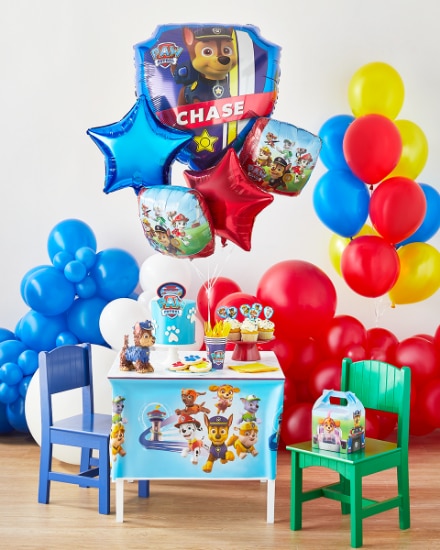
<point>226,391</point>
<point>329,424</point>
<point>218,428</point>
<point>212,56</point>
<point>248,433</point>
<point>117,435</point>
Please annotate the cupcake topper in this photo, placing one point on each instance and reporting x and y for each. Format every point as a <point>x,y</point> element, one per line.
<point>227,312</point>
<point>268,312</point>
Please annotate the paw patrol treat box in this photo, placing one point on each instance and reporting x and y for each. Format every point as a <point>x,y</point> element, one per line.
<point>338,422</point>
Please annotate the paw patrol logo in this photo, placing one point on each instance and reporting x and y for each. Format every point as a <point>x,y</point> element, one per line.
<point>166,54</point>
<point>170,301</point>
<point>218,357</point>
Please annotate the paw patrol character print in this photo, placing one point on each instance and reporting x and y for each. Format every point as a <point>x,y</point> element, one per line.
<point>244,441</point>
<point>189,397</point>
<point>225,394</point>
<point>251,404</point>
<point>212,56</point>
<point>117,438</point>
<point>218,432</point>
<point>118,408</point>
<point>188,428</point>
<point>179,222</point>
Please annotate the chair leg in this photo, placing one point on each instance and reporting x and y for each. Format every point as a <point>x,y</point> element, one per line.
<point>104,478</point>
<point>345,489</point>
<point>356,511</point>
<point>403,489</point>
<point>296,493</point>
<point>143,488</point>
<point>45,467</point>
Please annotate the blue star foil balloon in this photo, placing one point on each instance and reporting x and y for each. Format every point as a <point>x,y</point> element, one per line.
<point>212,79</point>
<point>138,150</point>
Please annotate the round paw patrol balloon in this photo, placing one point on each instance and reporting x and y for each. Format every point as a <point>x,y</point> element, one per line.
<point>212,80</point>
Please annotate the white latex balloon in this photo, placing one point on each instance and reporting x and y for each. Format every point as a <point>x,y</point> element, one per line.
<point>159,269</point>
<point>144,299</point>
<point>118,318</point>
<point>69,403</point>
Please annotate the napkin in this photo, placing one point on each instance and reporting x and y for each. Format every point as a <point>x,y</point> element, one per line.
<point>253,368</point>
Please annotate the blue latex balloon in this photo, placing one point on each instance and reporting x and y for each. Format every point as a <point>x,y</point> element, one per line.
<point>8,394</point>
<point>138,150</point>
<point>83,320</point>
<point>16,415</point>
<point>48,291</point>
<point>86,255</point>
<point>75,271</point>
<point>39,332</point>
<point>341,202</point>
<point>431,221</point>
<point>86,288</point>
<point>68,236</point>
<point>332,135</point>
<point>61,259</point>
<point>10,373</point>
<point>10,350</point>
<point>6,334</point>
<point>28,361</point>
<point>5,427</point>
<point>116,273</point>
<point>66,338</point>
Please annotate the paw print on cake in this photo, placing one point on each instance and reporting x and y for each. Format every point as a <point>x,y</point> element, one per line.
<point>191,315</point>
<point>172,333</point>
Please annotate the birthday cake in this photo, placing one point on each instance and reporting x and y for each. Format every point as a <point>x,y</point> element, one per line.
<point>174,318</point>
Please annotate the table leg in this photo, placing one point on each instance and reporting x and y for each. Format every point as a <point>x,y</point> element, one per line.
<point>119,500</point>
<point>270,501</point>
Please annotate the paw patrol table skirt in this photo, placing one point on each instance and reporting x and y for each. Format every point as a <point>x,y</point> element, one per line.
<point>220,424</point>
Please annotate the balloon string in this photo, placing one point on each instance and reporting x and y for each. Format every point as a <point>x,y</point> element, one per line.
<point>379,310</point>
<point>212,278</point>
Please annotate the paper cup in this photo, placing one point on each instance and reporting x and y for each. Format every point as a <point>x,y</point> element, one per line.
<point>215,349</point>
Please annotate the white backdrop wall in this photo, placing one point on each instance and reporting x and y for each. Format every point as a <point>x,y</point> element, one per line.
<point>67,65</point>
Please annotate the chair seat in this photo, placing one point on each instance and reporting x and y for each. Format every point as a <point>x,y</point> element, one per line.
<point>373,447</point>
<point>95,424</point>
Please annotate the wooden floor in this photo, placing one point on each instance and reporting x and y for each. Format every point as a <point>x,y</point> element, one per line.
<point>212,515</point>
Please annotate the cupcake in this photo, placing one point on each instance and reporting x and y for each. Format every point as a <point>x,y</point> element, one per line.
<point>249,330</point>
<point>265,329</point>
<point>234,331</point>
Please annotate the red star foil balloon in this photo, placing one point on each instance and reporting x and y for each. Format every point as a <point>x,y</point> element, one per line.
<point>138,150</point>
<point>232,198</point>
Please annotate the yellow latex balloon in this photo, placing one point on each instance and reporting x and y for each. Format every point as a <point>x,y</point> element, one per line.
<point>414,150</point>
<point>376,88</point>
<point>338,244</point>
<point>419,276</point>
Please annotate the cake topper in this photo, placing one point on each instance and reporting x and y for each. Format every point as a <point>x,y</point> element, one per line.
<point>137,357</point>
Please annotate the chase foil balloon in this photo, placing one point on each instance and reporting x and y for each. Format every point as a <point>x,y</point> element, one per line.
<point>210,79</point>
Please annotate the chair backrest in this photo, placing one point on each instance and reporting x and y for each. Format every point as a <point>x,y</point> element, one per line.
<point>62,369</point>
<point>382,387</point>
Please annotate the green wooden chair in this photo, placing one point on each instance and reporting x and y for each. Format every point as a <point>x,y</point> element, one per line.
<point>382,387</point>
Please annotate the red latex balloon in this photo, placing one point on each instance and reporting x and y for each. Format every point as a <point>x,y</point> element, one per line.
<point>211,292</point>
<point>290,393</point>
<point>437,339</point>
<point>397,208</point>
<point>370,265</point>
<point>418,423</point>
<point>302,296</point>
<point>372,147</point>
<point>355,352</point>
<point>306,355</point>
<point>296,425</point>
<point>381,344</point>
<point>285,351</point>
<point>235,299</point>
<point>372,424</point>
<point>387,424</point>
<point>421,356</point>
<point>428,399</point>
<point>232,198</point>
<point>325,376</point>
<point>341,333</point>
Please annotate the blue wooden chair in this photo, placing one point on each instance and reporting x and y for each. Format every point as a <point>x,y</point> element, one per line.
<point>382,387</point>
<point>66,368</point>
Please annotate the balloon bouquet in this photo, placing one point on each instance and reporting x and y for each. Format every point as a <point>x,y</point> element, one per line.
<point>205,95</point>
<point>373,161</point>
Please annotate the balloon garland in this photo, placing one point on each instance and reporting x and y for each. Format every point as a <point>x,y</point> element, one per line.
<point>205,96</point>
